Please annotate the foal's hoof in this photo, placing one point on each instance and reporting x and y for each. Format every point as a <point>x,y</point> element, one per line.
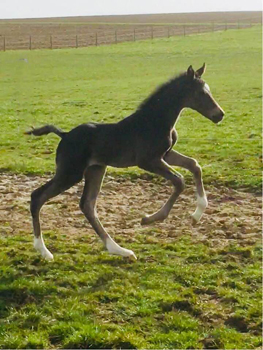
<point>145,220</point>
<point>129,254</point>
<point>39,245</point>
<point>132,257</point>
<point>194,221</point>
<point>115,249</point>
<point>48,256</point>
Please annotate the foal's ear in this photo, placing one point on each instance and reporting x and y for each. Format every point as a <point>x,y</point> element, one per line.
<point>200,71</point>
<point>190,72</point>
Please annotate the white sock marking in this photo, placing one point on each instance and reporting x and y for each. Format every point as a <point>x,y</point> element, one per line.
<point>39,245</point>
<point>201,205</point>
<point>114,248</point>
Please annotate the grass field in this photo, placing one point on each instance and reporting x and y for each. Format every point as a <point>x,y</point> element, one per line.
<point>182,293</point>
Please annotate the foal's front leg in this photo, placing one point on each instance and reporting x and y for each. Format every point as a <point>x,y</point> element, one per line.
<point>178,159</point>
<point>160,167</point>
<point>93,179</point>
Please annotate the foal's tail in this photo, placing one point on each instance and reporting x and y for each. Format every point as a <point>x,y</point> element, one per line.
<point>44,130</point>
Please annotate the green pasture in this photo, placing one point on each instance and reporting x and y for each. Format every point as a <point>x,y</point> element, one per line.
<point>106,84</point>
<point>180,294</point>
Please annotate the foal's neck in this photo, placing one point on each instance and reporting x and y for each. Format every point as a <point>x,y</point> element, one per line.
<point>170,117</point>
<point>164,106</point>
<point>166,115</point>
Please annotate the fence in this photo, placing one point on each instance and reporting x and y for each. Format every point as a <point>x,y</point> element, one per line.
<point>96,38</point>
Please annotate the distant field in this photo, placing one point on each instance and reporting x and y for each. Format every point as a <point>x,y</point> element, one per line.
<point>98,30</point>
<point>25,26</point>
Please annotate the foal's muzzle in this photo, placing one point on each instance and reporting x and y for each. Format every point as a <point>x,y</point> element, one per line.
<point>216,118</point>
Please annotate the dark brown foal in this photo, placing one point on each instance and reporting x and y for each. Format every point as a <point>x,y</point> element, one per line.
<point>143,139</point>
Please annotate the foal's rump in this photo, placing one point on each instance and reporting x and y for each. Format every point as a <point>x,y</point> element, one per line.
<point>73,152</point>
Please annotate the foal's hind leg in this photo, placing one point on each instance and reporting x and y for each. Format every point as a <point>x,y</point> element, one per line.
<point>38,197</point>
<point>178,159</point>
<point>160,167</point>
<point>93,180</point>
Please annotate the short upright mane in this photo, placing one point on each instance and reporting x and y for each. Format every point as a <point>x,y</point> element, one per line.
<point>162,97</point>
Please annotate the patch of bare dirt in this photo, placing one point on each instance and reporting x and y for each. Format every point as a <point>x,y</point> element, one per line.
<point>231,215</point>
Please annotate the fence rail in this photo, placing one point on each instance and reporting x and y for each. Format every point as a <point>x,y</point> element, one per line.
<point>96,38</point>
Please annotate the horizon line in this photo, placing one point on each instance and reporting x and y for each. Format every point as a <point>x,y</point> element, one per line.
<point>127,14</point>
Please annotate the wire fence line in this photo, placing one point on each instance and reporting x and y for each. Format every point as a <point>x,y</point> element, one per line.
<point>111,36</point>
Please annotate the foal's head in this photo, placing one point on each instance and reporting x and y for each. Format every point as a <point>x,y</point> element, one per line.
<point>200,98</point>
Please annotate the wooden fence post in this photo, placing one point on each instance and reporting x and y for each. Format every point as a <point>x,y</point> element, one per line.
<point>184,30</point>
<point>51,42</point>
<point>96,38</point>
<point>77,42</point>
<point>168,34</point>
<point>4,43</point>
<point>134,35</point>
<point>30,43</point>
<point>152,32</point>
<point>116,39</point>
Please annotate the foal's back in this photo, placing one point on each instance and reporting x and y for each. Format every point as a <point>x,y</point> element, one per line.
<point>105,144</point>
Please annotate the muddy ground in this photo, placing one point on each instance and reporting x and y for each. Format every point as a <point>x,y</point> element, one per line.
<point>231,215</point>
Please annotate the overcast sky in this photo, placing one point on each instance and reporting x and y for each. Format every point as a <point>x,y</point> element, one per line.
<point>59,8</point>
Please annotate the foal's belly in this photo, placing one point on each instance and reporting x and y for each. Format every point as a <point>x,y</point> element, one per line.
<point>116,163</point>
<point>117,158</point>
<point>122,163</point>
<point>116,154</point>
